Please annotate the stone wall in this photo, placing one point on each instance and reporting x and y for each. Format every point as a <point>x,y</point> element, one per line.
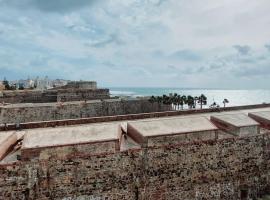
<point>80,85</point>
<point>54,95</point>
<point>82,94</point>
<point>28,96</point>
<point>181,138</point>
<point>235,168</point>
<point>248,130</point>
<point>72,110</point>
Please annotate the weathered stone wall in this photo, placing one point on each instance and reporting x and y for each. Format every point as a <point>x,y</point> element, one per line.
<point>73,110</point>
<point>65,150</point>
<point>38,96</point>
<point>249,130</point>
<point>226,169</point>
<point>82,94</point>
<point>181,138</point>
<point>28,96</point>
<point>80,85</point>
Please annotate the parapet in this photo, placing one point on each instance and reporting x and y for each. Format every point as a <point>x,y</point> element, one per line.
<point>64,141</point>
<point>262,117</point>
<point>236,124</point>
<point>7,139</point>
<point>171,131</point>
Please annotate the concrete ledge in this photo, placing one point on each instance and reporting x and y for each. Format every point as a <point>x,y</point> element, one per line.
<point>7,140</point>
<point>261,117</point>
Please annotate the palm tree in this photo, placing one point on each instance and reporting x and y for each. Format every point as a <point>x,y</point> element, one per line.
<point>178,99</point>
<point>165,99</point>
<point>202,100</point>
<point>183,101</point>
<point>195,101</point>
<point>152,100</point>
<point>214,105</point>
<point>174,100</point>
<point>190,101</point>
<point>159,100</point>
<point>225,101</point>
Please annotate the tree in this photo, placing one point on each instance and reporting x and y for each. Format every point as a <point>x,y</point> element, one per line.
<point>214,105</point>
<point>174,100</point>
<point>159,100</point>
<point>21,87</point>
<point>225,101</point>
<point>202,100</point>
<point>6,84</point>
<point>183,101</point>
<point>178,100</point>
<point>152,99</point>
<point>195,101</point>
<point>190,101</point>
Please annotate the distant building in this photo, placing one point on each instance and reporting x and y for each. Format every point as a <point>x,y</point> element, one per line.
<point>2,87</point>
<point>43,83</point>
<point>59,82</point>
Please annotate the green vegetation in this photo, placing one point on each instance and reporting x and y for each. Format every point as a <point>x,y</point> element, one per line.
<point>225,101</point>
<point>8,86</point>
<point>178,101</point>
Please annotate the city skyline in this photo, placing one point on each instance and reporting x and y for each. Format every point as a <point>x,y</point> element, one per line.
<point>146,43</point>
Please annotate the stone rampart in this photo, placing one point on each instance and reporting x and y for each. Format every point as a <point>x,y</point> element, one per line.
<point>21,113</point>
<point>54,95</point>
<point>148,111</point>
<point>80,85</point>
<point>235,168</point>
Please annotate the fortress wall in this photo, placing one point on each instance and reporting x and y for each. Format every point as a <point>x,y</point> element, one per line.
<point>54,95</point>
<point>82,94</point>
<point>28,96</point>
<point>74,110</point>
<point>61,152</point>
<point>225,169</point>
<point>80,85</point>
<point>249,130</point>
<point>181,138</point>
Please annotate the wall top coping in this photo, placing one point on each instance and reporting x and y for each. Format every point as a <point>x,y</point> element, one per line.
<point>172,126</point>
<point>264,114</point>
<point>4,136</point>
<point>94,133</point>
<point>237,120</point>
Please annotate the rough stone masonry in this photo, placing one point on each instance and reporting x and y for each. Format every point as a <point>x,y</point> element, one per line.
<point>95,162</point>
<point>215,169</point>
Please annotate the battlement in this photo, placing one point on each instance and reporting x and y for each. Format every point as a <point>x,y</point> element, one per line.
<point>178,157</point>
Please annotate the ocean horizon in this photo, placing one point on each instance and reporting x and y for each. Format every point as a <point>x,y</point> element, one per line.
<point>236,97</point>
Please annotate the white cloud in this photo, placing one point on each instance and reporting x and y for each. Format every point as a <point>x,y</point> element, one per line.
<point>141,42</point>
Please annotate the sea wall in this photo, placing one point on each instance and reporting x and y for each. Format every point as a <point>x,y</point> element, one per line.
<point>21,113</point>
<point>54,95</point>
<point>235,168</point>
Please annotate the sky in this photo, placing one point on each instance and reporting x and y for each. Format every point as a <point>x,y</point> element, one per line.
<point>138,43</point>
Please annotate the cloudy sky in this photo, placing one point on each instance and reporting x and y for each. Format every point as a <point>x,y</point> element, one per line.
<point>168,43</point>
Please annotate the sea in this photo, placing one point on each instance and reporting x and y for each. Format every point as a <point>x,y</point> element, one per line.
<point>235,97</point>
